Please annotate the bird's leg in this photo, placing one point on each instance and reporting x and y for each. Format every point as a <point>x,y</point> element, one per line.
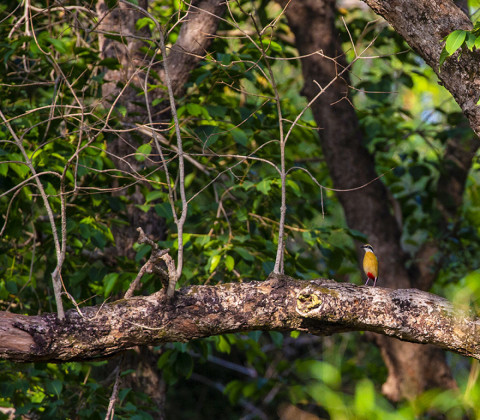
<point>368,278</point>
<point>375,282</point>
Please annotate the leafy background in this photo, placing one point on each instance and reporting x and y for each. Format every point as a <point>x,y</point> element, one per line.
<point>230,234</point>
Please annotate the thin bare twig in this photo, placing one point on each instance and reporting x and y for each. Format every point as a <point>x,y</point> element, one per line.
<point>57,286</point>
<point>116,388</point>
<point>179,221</point>
<point>279,266</point>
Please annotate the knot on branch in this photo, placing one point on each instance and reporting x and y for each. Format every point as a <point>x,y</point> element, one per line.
<point>320,297</point>
<point>307,302</point>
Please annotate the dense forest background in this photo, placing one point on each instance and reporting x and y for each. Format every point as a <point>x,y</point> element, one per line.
<point>277,138</point>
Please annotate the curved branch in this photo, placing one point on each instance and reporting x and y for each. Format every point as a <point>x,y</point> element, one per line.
<point>321,307</point>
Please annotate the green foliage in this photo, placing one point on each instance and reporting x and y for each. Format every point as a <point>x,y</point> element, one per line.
<point>230,126</point>
<point>458,39</point>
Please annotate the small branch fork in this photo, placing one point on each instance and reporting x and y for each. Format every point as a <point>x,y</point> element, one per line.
<point>168,277</point>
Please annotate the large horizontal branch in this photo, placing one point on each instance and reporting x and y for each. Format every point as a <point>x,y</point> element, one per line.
<point>281,303</point>
<point>424,24</point>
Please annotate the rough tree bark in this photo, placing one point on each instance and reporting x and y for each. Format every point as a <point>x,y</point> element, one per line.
<point>321,307</point>
<point>424,24</point>
<point>368,209</point>
<point>195,37</point>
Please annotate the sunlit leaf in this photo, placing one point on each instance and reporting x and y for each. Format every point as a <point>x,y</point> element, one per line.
<point>454,41</point>
<point>229,262</point>
<point>214,262</point>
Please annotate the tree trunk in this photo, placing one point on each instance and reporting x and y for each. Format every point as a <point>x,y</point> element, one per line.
<point>367,209</point>
<point>424,24</point>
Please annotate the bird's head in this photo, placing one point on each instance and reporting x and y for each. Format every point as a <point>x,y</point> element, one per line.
<point>367,248</point>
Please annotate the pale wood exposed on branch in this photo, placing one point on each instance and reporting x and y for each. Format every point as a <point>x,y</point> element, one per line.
<point>281,303</point>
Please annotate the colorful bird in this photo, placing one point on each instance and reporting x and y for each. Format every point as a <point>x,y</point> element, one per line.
<point>370,264</point>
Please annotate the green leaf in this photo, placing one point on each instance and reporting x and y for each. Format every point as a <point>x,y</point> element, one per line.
<point>357,235</point>
<point>249,389</point>
<point>470,41</point>
<point>225,59</point>
<point>476,27</point>
<point>164,210</point>
<point>294,186</point>
<point>246,185</point>
<point>166,358</point>
<point>111,63</point>
<point>443,56</point>
<point>268,266</point>
<point>98,239</point>
<point>189,179</point>
<point>144,207</point>
<point>239,136</point>
<point>59,45</point>
<point>214,262</point>
<point>264,186</point>
<point>194,109</point>
<point>19,169</point>
<point>142,22</point>
<point>3,290</point>
<point>418,171</point>
<point>233,390</point>
<point>277,338</point>
<point>202,240</point>
<point>143,151</point>
<point>246,255</point>
<point>455,40</point>
<point>364,398</point>
<point>229,262</point>
<point>122,109</point>
<point>109,282</point>
<point>268,43</point>
<point>142,251</point>
<point>3,169</point>
<point>223,345</point>
<point>54,387</point>
<point>154,195</point>
<point>209,134</point>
